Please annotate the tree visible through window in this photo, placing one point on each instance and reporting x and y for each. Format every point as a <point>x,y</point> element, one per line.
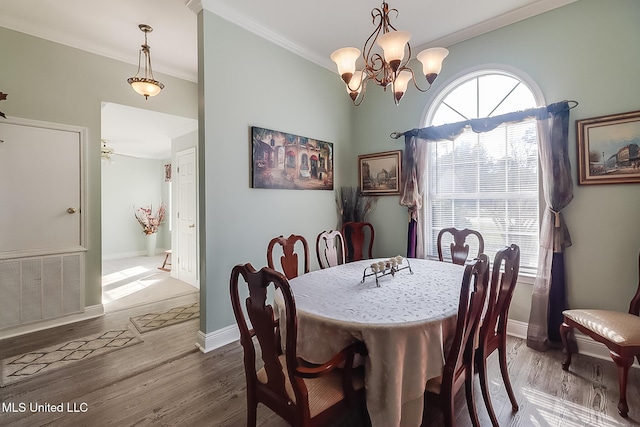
<point>486,181</point>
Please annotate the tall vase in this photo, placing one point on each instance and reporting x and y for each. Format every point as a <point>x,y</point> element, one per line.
<point>151,244</point>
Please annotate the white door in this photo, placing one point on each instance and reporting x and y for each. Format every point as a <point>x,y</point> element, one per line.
<point>186,255</point>
<point>40,188</point>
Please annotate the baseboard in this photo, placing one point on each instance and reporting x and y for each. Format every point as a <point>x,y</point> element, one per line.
<point>586,345</point>
<point>89,313</point>
<point>217,339</point>
<point>109,257</point>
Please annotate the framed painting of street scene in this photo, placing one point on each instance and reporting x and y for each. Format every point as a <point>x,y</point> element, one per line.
<point>286,161</point>
<point>379,173</point>
<point>609,149</point>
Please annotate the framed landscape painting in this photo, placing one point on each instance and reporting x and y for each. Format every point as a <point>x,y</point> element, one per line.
<point>286,161</point>
<point>609,149</point>
<point>379,174</point>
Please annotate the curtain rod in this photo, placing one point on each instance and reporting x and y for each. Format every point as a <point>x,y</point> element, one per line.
<point>571,104</point>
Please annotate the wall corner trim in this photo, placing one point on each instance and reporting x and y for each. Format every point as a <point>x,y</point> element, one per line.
<point>217,339</point>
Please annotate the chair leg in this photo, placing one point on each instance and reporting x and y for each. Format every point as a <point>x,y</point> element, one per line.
<point>623,364</point>
<point>471,402</point>
<point>502,355</point>
<point>564,334</point>
<point>446,401</point>
<point>252,410</point>
<point>482,373</point>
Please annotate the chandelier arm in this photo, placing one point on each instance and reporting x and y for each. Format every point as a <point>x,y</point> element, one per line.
<point>413,78</point>
<point>360,97</point>
<point>371,41</point>
<point>139,63</point>
<point>148,62</point>
<point>378,70</point>
<point>388,24</point>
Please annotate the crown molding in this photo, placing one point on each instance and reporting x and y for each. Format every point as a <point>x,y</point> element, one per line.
<point>194,5</point>
<point>528,11</point>
<point>218,8</point>
<point>503,20</point>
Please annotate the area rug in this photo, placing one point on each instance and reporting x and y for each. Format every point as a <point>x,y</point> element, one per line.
<point>24,366</point>
<point>151,321</point>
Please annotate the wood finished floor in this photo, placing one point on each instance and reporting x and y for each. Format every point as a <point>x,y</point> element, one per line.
<point>166,381</point>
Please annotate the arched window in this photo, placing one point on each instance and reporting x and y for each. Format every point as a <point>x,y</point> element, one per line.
<point>485,181</point>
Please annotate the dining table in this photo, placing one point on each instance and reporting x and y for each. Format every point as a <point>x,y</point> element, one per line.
<point>406,320</point>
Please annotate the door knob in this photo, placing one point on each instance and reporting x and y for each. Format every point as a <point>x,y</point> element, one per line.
<point>71,210</point>
<point>192,226</point>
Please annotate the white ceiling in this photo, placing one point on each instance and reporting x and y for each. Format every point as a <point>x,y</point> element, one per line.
<point>141,133</point>
<point>312,30</point>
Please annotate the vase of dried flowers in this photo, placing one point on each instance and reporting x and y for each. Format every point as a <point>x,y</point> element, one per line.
<point>150,224</point>
<point>152,241</point>
<point>352,205</point>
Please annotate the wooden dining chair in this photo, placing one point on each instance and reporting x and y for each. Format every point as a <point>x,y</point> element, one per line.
<point>289,261</point>
<point>355,235</point>
<point>330,248</point>
<point>302,393</point>
<point>619,331</point>
<point>493,332</point>
<point>459,360</point>
<point>459,247</point>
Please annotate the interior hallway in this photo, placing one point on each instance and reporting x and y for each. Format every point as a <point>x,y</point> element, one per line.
<point>130,282</point>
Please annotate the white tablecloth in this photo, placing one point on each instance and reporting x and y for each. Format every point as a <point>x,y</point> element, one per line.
<point>404,323</point>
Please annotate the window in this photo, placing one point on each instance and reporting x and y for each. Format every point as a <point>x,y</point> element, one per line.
<point>485,181</point>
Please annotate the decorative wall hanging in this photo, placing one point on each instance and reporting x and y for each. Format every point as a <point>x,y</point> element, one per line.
<point>283,160</point>
<point>379,174</point>
<point>167,172</point>
<point>609,149</point>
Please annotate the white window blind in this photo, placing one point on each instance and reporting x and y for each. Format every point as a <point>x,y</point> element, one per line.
<point>488,182</point>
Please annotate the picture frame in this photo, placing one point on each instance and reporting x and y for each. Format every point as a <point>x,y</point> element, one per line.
<point>282,160</point>
<point>380,174</point>
<point>609,149</point>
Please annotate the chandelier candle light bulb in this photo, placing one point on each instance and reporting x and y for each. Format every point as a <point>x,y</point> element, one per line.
<point>390,68</point>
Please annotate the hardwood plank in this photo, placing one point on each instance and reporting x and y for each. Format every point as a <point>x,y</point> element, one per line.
<point>167,381</point>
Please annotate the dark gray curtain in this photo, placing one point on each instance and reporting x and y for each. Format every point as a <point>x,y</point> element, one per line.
<point>549,296</point>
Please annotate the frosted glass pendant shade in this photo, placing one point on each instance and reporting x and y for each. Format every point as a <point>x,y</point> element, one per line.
<point>400,84</point>
<point>393,44</point>
<point>146,87</point>
<point>432,61</point>
<point>345,58</point>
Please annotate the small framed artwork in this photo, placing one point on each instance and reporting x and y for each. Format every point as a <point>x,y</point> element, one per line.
<point>379,174</point>
<point>291,162</point>
<point>609,149</point>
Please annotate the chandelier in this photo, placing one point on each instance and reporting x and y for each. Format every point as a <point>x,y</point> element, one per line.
<point>391,68</point>
<point>146,86</point>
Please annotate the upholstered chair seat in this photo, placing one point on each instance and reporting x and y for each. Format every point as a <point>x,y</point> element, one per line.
<point>618,327</point>
<point>324,392</point>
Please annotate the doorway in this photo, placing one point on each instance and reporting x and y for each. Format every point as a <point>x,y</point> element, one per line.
<point>138,170</point>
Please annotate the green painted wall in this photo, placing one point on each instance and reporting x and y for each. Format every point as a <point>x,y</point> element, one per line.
<point>253,82</point>
<point>55,83</point>
<point>586,51</point>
